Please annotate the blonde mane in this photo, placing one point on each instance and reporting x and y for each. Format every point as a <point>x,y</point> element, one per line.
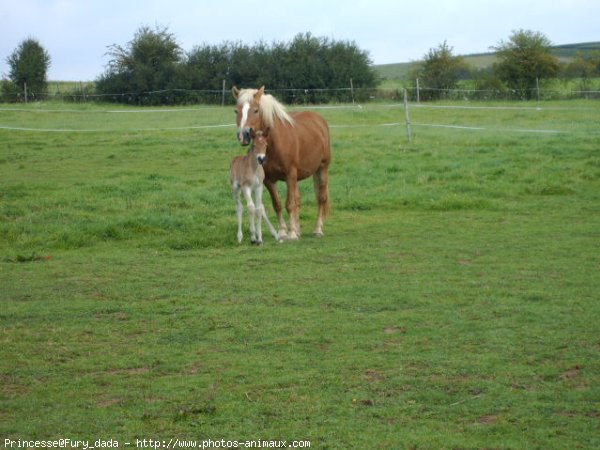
<point>269,107</point>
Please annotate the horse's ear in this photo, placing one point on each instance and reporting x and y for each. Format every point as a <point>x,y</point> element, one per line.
<point>266,132</point>
<point>235,91</point>
<point>260,93</point>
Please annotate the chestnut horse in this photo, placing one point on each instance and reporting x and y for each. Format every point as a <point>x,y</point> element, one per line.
<point>298,147</point>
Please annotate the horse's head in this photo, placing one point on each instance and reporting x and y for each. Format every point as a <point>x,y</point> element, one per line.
<point>259,145</point>
<point>247,112</point>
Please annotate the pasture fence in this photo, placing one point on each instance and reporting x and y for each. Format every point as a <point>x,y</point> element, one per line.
<point>516,118</point>
<point>85,92</point>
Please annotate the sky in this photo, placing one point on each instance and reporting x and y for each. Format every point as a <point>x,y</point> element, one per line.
<point>77,33</point>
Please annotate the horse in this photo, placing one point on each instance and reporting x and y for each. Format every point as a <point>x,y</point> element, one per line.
<point>298,147</point>
<point>247,176</point>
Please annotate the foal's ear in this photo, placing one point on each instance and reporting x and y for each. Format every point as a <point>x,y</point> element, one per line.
<point>266,132</point>
<point>235,91</point>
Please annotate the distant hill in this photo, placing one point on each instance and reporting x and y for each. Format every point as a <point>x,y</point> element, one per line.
<point>564,53</point>
<point>567,52</point>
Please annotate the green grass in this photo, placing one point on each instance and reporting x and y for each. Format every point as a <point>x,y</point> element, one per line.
<point>453,302</point>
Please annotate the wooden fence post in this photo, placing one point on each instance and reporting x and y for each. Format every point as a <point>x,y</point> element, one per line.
<point>418,93</point>
<point>409,131</point>
<point>223,94</point>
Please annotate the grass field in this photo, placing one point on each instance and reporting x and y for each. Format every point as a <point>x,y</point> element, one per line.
<point>453,302</point>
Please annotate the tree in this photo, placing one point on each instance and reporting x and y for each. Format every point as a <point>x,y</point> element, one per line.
<point>349,62</point>
<point>318,64</point>
<point>525,59</point>
<point>29,65</point>
<point>207,66</point>
<point>440,71</point>
<point>150,62</point>
<point>584,65</point>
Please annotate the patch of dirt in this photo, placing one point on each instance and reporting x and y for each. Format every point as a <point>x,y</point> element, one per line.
<point>373,376</point>
<point>571,374</point>
<point>488,420</point>
<point>109,402</point>
<point>395,330</point>
<point>131,371</point>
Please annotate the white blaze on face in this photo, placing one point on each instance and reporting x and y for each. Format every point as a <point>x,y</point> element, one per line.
<point>245,110</point>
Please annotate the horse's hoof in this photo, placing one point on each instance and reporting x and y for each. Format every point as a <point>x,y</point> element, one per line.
<point>318,234</point>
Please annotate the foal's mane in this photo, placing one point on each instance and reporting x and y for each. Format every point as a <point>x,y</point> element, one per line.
<point>270,108</point>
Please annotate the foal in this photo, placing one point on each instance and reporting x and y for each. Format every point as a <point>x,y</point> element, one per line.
<point>247,176</point>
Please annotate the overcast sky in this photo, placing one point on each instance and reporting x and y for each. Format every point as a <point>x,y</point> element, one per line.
<point>77,33</point>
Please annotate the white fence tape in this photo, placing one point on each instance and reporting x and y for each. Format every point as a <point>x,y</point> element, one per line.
<point>356,106</point>
<point>113,130</point>
<point>508,130</point>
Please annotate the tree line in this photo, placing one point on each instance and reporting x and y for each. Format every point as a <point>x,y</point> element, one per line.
<point>522,62</point>
<point>153,69</point>
<point>154,62</point>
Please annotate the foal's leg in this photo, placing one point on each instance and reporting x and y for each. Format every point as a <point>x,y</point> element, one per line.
<point>321,179</point>
<point>251,212</point>
<point>272,188</point>
<point>258,212</point>
<point>261,213</point>
<point>237,195</point>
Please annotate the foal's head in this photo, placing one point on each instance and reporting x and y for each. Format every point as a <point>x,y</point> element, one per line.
<point>247,112</point>
<point>259,145</point>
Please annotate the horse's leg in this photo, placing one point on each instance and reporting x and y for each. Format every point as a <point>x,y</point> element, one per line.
<point>321,179</point>
<point>237,194</point>
<point>272,188</point>
<point>293,204</point>
<point>251,212</point>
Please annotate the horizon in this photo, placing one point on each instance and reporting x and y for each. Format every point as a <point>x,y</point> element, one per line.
<point>78,34</point>
<point>557,46</point>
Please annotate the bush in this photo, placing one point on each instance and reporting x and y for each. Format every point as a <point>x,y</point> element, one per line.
<point>152,69</point>
<point>10,92</point>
